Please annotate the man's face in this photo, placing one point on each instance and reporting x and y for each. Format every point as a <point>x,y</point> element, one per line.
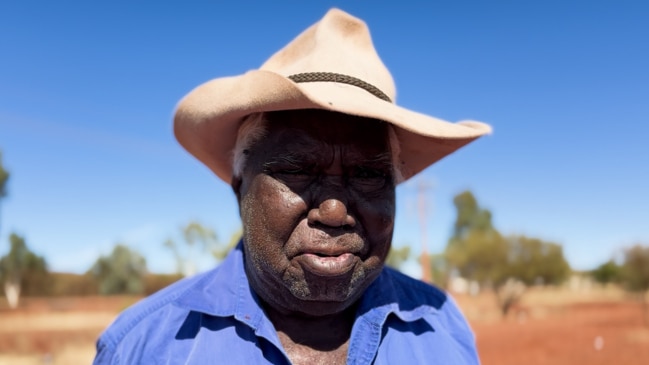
<point>317,203</point>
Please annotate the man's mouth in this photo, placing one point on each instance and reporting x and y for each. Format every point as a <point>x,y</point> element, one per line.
<point>327,265</point>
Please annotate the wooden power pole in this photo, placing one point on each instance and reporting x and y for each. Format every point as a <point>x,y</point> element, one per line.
<point>424,259</point>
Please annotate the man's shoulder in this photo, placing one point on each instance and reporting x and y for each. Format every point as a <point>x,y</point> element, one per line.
<point>413,291</point>
<point>425,320</point>
<point>417,297</point>
<point>145,315</point>
<point>157,328</point>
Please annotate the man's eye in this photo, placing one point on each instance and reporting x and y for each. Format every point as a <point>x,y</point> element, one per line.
<point>293,172</point>
<point>368,173</point>
<point>368,179</point>
<point>293,175</point>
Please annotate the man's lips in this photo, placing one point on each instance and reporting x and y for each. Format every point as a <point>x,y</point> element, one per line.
<point>329,266</point>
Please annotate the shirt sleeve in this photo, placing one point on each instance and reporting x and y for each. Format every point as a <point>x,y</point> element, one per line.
<point>105,354</point>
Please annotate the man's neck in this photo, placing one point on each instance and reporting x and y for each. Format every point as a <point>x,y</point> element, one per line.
<point>314,340</point>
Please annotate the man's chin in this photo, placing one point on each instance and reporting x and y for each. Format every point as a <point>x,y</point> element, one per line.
<point>323,297</point>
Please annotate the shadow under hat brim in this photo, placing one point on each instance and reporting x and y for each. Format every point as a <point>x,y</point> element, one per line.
<point>208,118</point>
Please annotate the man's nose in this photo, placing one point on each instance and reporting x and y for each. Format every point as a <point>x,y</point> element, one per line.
<point>332,213</point>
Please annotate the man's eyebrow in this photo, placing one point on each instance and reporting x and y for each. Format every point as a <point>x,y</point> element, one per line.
<point>380,160</point>
<point>288,158</point>
<point>383,159</point>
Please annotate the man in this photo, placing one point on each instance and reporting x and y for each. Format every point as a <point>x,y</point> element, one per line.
<point>313,147</point>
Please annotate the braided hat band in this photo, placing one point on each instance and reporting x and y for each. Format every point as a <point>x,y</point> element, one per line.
<point>340,78</point>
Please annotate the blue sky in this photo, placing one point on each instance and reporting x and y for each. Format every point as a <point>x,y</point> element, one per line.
<point>88,90</point>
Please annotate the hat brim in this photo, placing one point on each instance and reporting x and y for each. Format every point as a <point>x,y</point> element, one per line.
<point>207,119</point>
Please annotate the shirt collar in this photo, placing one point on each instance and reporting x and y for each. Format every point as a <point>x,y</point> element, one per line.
<point>389,294</point>
<point>225,292</point>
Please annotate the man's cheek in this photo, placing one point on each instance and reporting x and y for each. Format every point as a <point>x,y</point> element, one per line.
<point>378,217</point>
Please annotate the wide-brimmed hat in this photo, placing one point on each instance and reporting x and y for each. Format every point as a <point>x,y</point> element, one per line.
<point>332,65</point>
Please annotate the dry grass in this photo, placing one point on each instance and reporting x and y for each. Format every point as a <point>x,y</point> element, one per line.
<point>56,331</point>
<point>67,355</point>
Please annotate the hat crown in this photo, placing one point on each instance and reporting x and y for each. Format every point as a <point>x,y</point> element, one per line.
<point>338,43</point>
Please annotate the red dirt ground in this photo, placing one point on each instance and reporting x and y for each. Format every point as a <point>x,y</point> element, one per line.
<point>547,328</point>
<point>588,333</point>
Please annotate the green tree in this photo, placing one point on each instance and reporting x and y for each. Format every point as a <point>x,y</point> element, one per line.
<point>534,261</point>
<point>477,251</point>
<point>480,256</point>
<point>18,267</point>
<point>398,256</point>
<point>221,251</point>
<point>198,240</point>
<point>635,273</point>
<point>4,177</point>
<point>439,269</point>
<point>470,216</point>
<point>121,272</point>
<point>608,272</point>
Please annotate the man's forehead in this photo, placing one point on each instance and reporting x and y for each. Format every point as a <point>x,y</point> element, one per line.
<point>327,127</point>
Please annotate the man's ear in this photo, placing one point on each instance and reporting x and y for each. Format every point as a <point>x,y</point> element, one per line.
<point>236,187</point>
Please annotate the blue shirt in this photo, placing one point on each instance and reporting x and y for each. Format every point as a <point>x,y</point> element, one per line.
<point>216,318</point>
